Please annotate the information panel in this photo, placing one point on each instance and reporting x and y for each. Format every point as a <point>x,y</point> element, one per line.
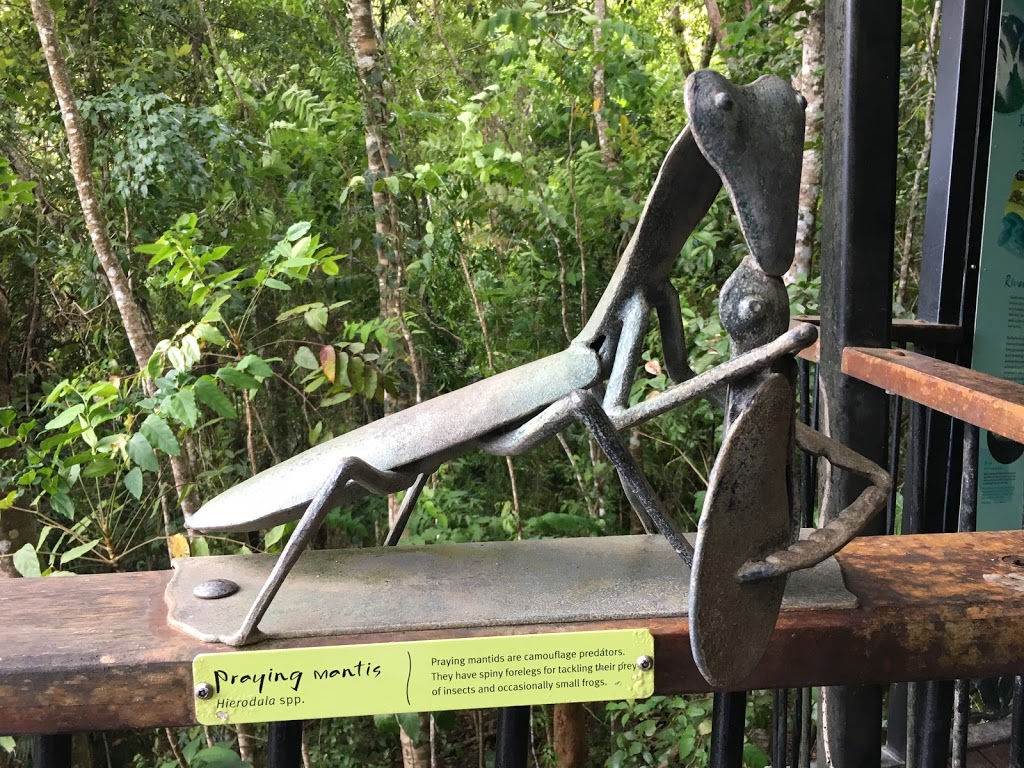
<point>429,675</point>
<point>999,324</point>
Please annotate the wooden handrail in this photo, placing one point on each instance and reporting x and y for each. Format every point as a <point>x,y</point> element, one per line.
<point>977,398</point>
<point>95,652</point>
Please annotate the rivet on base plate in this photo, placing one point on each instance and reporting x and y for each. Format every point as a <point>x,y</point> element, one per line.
<point>215,589</point>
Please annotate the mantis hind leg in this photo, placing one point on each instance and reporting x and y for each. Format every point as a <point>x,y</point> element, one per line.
<point>412,495</point>
<point>638,490</point>
<point>349,470</point>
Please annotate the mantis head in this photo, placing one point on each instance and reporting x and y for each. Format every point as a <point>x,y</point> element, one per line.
<point>753,137</point>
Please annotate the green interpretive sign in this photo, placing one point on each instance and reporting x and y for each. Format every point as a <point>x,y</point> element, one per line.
<point>427,675</point>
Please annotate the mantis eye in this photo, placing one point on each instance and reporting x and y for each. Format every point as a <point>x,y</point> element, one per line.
<point>723,101</point>
<point>752,308</point>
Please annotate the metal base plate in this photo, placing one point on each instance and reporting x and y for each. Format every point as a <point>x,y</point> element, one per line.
<point>394,589</point>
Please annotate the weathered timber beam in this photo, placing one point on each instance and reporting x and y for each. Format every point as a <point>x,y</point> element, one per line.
<point>977,398</point>
<point>95,652</point>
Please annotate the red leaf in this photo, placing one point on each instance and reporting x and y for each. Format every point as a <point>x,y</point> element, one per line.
<point>329,362</point>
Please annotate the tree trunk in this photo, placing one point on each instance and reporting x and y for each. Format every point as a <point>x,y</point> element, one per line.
<point>715,19</point>
<point>675,18</point>
<point>570,736</point>
<point>600,121</point>
<point>930,73</point>
<point>390,270</point>
<point>716,32</point>
<point>390,263</point>
<point>811,84</point>
<point>132,317</point>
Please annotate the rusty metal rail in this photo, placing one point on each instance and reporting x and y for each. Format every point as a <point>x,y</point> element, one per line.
<point>977,398</point>
<point>937,606</point>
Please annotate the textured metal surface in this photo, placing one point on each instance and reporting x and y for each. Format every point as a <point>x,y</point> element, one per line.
<point>844,526</point>
<point>746,516</point>
<point>858,208</point>
<point>754,137</point>
<point>728,718</point>
<point>428,433</point>
<point>977,398</point>
<point>464,585</point>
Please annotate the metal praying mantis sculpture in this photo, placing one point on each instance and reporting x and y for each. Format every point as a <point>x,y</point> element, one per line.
<point>750,139</point>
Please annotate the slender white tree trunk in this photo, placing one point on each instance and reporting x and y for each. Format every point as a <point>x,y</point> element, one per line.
<point>132,316</point>
<point>811,85</point>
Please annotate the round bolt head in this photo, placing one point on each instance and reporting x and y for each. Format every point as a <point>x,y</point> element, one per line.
<point>645,663</point>
<point>215,589</point>
<point>204,691</point>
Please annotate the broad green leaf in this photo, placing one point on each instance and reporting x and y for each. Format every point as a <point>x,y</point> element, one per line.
<point>754,756</point>
<point>277,285</point>
<point>133,482</point>
<point>177,359</point>
<point>101,466</point>
<point>209,333</point>
<point>218,756</point>
<point>304,358</point>
<point>200,547</point>
<point>296,231</point>
<point>255,365</point>
<point>76,552</point>
<point>160,435</point>
<point>182,407</point>
<point>190,349</point>
<point>66,417</point>
<point>210,393</point>
<point>341,397</point>
<point>369,382</point>
<point>299,249</point>
<point>26,562</point>
<point>316,319</point>
<point>7,442</point>
<point>141,452</point>
<point>355,372</point>
<point>410,723</point>
<point>101,389</point>
<point>236,378</point>
<point>62,503</point>
<point>274,535</point>
<point>8,501</point>
<point>8,744</point>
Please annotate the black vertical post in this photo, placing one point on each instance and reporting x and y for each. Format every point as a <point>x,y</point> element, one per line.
<point>948,293</point>
<point>1017,724</point>
<point>728,713</point>
<point>780,714</point>
<point>513,746</point>
<point>52,751</point>
<point>862,54</point>
<point>284,744</point>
